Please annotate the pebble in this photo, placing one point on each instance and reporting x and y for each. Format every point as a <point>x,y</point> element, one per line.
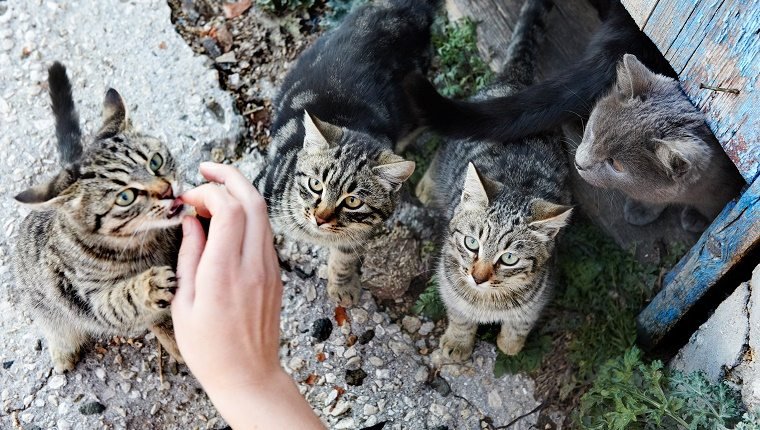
<point>296,363</point>
<point>376,361</point>
<point>494,399</point>
<point>233,80</point>
<point>340,408</point>
<point>100,373</point>
<point>27,417</point>
<point>350,352</point>
<point>321,329</point>
<point>359,315</point>
<point>330,378</point>
<point>346,423</point>
<point>441,386</point>
<point>331,397</point>
<point>426,328</point>
<point>226,58</point>
<point>367,336</point>
<point>383,373</point>
<point>92,408</point>
<point>399,348</point>
<point>62,424</point>
<point>411,324</point>
<point>311,293</point>
<point>422,374</point>
<point>371,422</point>
<point>354,363</point>
<point>57,381</point>
<point>355,377</point>
<point>369,410</point>
<point>125,387</point>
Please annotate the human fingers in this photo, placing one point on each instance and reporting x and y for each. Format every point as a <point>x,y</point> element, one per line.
<point>193,242</point>
<point>233,180</point>
<point>228,220</point>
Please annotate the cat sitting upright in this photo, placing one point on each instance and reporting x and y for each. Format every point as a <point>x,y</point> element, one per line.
<point>332,175</point>
<point>646,139</point>
<point>504,205</point>
<point>95,255</point>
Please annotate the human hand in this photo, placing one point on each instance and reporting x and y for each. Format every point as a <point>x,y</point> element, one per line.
<point>227,308</point>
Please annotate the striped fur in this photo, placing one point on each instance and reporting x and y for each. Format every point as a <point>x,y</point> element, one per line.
<point>338,116</point>
<point>85,265</point>
<point>503,207</point>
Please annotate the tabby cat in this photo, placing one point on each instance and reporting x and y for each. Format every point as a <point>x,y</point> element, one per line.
<point>504,206</point>
<point>646,139</point>
<point>332,175</point>
<point>95,255</point>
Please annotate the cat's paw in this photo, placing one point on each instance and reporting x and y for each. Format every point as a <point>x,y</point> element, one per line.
<point>63,360</point>
<point>693,221</point>
<point>346,293</point>
<point>456,349</point>
<point>638,213</point>
<point>424,189</point>
<point>160,286</point>
<point>510,344</point>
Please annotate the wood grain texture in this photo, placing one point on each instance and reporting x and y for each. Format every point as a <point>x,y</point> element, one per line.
<point>640,10</point>
<point>733,233</point>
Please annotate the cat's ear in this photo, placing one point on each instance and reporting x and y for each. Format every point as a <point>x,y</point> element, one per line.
<point>548,218</point>
<point>393,170</point>
<point>114,115</point>
<point>675,155</point>
<point>50,194</point>
<point>633,77</point>
<point>474,193</point>
<point>318,134</point>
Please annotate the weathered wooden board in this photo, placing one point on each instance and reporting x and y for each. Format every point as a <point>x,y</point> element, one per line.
<point>714,43</point>
<point>734,232</point>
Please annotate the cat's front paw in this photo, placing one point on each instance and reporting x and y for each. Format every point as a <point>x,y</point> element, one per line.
<point>456,349</point>
<point>63,360</point>
<point>638,213</point>
<point>160,286</point>
<point>510,344</point>
<point>345,291</point>
<point>693,221</point>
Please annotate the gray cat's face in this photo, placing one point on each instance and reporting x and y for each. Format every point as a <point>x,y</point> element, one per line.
<point>495,249</point>
<point>124,184</point>
<point>341,189</point>
<point>642,138</point>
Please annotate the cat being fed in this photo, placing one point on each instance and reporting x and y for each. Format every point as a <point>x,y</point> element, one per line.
<point>95,255</point>
<point>333,175</point>
<point>504,205</point>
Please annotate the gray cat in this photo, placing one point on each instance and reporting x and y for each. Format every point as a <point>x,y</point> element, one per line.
<point>95,255</point>
<point>504,203</point>
<point>646,139</point>
<point>332,175</point>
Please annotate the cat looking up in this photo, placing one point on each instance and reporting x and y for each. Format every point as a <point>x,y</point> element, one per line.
<point>95,255</point>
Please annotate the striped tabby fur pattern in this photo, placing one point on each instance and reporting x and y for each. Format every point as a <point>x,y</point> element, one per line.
<point>95,255</point>
<point>332,175</point>
<point>504,204</point>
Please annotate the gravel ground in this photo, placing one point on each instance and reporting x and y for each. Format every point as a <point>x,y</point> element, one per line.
<point>372,367</point>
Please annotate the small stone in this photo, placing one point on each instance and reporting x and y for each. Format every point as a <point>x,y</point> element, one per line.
<point>411,324</point>
<point>359,315</point>
<point>7,364</point>
<point>369,410</point>
<point>331,397</point>
<point>321,329</point>
<point>346,423</point>
<point>340,408</point>
<point>441,386</point>
<point>494,399</point>
<point>226,58</point>
<point>62,424</point>
<point>311,293</point>
<point>100,373</point>
<point>366,337</point>
<point>353,363</point>
<point>57,381</point>
<point>330,378</point>
<point>125,387</point>
<point>350,352</point>
<point>233,81</point>
<point>92,408</point>
<point>27,417</point>
<point>371,422</point>
<point>322,271</point>
<point>426,328</point>
<point>376,361</point>
<point>399,348</point>
<point>209,44</point>
<point>296,363</point>
<point>383,373</point>
<point>355,377</point>
<point>422,374</point>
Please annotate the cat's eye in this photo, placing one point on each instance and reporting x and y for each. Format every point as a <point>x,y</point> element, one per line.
<point>156,161</point>
<point>126,197</point>
<point>315,185</point>
<point>353,202</point>
<point>471,243</point>
<point>509,259</point>
<point>615,164</point>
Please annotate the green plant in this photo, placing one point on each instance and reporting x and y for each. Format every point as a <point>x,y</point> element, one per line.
<point>429,303</point>
<point>528,360</point>
<point>280,6</point>
<point>459,69</point>
<point>630,394</point>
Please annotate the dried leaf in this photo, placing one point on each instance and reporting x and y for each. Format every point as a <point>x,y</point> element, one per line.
<point>311,379</point>
<point>351,340</point>
<point>234,10</point>
<point>224,37</point>
<point>321,357</point>
<point>340,315</point>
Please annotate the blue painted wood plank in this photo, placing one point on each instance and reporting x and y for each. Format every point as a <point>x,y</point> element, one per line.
<point>732,234</point>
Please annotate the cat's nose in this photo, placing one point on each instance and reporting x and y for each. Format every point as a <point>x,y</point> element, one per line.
<point>319,220</point>
<point>322,216</point>
<point>481,273</point>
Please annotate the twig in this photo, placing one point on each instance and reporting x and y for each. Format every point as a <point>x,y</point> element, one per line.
<point>525,415</point>
<point>721,89</point>
<point>160,364</point>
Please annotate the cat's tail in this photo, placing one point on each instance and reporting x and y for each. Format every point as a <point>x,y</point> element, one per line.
<point>67,129</point>
<point>519,69</point>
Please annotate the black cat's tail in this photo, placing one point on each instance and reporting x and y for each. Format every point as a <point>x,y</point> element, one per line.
<point>67,129</point>
<point>570,94</point>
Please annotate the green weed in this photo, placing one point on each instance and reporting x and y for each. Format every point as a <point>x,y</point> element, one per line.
<point>429,303</point>
<point>280,6</point>
<point>459,70</point>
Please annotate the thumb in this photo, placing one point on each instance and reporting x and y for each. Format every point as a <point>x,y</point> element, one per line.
<point>193,243</point>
